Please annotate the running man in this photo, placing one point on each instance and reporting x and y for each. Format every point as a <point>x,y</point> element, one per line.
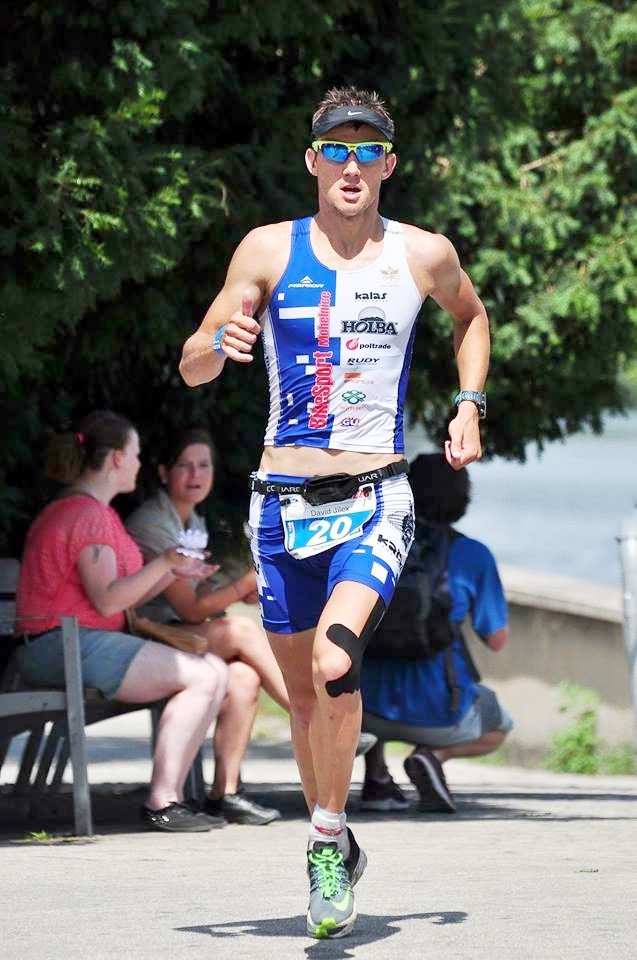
<point>335,297</point>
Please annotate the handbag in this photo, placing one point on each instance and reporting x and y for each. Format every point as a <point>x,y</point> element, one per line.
<point>167,633</point>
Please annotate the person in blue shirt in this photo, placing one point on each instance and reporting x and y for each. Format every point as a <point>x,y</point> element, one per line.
<point>411,700</point>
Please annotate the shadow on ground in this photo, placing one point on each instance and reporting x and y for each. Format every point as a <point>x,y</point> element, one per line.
<point>116,807</point>
<point>368,929</point>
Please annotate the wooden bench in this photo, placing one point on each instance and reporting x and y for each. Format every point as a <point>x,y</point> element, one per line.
<point>55,719</point>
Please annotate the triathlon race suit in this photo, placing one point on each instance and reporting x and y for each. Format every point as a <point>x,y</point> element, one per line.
<point>337,347</point>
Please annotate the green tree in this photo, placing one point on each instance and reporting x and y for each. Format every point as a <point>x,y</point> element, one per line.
<point>139,142</point>
<point>542,205</point>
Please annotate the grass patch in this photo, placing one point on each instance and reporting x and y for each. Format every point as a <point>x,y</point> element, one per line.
<point>47,839</point>
<point>577,748</point>
<point>41,836</point>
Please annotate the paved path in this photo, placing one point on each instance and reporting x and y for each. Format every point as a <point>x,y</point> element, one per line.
<point>533,866</point>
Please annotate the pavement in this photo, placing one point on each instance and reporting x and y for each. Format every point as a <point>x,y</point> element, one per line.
<point>533,865</point>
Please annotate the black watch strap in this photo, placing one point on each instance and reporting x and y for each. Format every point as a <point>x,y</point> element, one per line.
<point>479,398</point>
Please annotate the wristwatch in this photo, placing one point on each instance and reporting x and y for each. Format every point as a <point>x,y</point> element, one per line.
<point>479,398</point>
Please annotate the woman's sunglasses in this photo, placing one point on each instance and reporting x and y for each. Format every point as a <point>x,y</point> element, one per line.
<point>338,152</point>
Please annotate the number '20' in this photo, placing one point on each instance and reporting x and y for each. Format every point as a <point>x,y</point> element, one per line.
<point>327,530</point>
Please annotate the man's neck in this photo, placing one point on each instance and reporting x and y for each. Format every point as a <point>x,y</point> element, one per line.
<point>346,238</point>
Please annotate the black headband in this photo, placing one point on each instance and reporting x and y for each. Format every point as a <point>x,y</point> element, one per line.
<point>353,114</point>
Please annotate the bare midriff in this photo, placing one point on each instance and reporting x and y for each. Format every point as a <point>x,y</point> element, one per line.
<point>321,462</point>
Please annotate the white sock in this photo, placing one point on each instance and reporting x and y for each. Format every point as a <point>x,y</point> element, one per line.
<point>328,827</point>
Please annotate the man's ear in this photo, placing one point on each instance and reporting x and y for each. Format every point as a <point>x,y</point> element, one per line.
<point>390,165</point>
<point>310,161</point>
<point>163,474</point>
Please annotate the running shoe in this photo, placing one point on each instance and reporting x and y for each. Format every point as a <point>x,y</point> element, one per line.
<point>383,796</point>
<point>237,808</point>
<point>356,861</point>
<point>332,909</point>
<point>425,771</point>
<point>179,818</point>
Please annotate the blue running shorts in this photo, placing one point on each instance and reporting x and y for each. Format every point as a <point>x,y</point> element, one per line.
<point>293,592</point>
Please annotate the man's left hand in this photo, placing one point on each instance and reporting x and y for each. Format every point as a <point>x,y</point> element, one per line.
<point>464,444</point>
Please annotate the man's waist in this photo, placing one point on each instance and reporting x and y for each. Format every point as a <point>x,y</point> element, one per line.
<point>306,461</point>
<point>326,489</point>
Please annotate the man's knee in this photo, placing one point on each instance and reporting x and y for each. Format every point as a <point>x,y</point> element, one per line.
<point>354,646</point>
<point>494,739</point>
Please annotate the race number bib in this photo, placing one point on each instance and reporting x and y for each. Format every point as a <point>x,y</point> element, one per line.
<point>312,529</point>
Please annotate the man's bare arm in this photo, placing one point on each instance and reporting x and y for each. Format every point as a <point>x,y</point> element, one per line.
<point>453,291</point>
<point>244,290</point>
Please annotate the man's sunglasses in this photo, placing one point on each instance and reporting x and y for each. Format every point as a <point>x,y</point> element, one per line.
<point>338,152</point>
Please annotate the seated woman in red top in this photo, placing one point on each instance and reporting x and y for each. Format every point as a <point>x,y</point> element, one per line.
<point>79,560</point>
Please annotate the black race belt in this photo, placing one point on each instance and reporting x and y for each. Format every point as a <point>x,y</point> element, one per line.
<point>336,486</point>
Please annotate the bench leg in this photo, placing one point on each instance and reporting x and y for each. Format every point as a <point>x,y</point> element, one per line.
<point>5,743</point>
<point>49,754</point>
<point>61,760</point>
<point>195,787</point>
<point>76,732</point>
<point>29,757</point>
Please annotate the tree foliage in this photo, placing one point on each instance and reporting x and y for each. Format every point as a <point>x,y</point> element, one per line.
<point>140,141</point>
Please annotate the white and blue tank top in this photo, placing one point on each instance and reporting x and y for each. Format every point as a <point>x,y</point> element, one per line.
<point>337,347</point>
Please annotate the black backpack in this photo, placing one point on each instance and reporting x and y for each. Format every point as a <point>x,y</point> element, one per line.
<point>416,625</point>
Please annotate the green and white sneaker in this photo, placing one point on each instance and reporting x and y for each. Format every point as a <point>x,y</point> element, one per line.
<point>332,909</point>
<point>357,860</point>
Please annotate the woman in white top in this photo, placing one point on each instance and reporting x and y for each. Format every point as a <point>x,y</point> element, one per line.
<point>187,476</point>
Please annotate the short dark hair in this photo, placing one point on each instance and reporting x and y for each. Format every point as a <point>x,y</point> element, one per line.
<point>354,97</point>
<point>441,494</point>
<point>70,453</point>
<point>177,442</point>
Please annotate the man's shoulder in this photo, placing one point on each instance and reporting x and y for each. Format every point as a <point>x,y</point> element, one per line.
<point>268,236</point>
<point>434,246</point>
<point>470,558</point>
<point>431,257</point>
<point>263,252</point>
<point>461,543</point>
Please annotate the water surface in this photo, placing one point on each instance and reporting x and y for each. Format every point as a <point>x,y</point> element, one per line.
<point>561,511</point>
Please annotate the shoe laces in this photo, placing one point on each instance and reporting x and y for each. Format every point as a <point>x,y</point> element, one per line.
<point>327,871</point>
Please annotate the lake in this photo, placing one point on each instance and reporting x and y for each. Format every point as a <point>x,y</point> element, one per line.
<point>560,512</point>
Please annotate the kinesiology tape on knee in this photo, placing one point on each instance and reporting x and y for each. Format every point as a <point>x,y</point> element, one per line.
<point>354,647</point>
